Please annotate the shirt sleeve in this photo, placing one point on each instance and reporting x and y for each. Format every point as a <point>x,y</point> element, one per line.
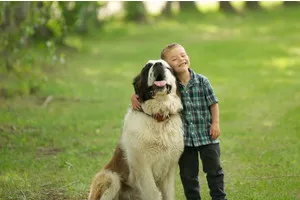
<point>209,93</point>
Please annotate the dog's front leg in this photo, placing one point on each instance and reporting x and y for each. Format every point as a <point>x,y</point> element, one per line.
<point>167,186</point>
<point>144,181</point>
<point>149,190</point>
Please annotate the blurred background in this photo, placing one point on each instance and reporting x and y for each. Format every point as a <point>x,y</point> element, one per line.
<point>45,27</point>
<point>66,71</point>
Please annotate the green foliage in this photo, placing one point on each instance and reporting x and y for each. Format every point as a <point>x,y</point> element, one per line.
<point>35,27</point>
<point>19,24</point>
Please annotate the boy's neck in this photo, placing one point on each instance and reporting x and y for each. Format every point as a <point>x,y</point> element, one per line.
<point>184,77</point>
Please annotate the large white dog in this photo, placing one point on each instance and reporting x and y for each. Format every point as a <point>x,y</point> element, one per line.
<point>144,164</point>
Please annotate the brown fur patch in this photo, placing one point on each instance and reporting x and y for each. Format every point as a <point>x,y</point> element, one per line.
<point>98,187</point>
<point>102,182</point>
<point>118,164</point>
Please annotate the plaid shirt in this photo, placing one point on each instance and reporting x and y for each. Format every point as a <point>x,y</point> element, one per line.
<point>196,98</point>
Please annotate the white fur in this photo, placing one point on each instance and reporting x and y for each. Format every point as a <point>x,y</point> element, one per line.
<point>152,150</point>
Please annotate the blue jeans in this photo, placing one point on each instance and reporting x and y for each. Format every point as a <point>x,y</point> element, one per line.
<point>189,170</point>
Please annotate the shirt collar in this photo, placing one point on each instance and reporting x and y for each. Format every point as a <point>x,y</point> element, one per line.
<point>193,79</point>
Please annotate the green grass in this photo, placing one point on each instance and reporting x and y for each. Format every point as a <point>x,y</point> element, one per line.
<point>252,62</point>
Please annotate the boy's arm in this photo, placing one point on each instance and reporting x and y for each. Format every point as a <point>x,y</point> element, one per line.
<point>212,101</point>
<point>215,127</point>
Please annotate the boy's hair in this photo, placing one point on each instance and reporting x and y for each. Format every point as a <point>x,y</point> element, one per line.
<point>167,48</point>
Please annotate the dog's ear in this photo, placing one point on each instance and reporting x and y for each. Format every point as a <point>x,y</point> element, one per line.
<point>137,84</point>
<point>177,81</point>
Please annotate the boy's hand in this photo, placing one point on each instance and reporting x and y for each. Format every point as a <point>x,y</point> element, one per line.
<point>214,130</point>
<point>135,102</point>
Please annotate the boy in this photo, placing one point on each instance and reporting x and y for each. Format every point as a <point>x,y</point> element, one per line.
<point>200,117</point>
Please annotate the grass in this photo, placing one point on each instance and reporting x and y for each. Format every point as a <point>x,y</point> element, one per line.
<point>252,62</point>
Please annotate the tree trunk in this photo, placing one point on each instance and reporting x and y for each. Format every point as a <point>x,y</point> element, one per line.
<point>21,11</point>
<point>167,10</point>
<point>14,13</point>
<point>252,5</point>
<point>136,11</point>
<point>188,6</point>
<point>291,3</point>
<point>226,7</point>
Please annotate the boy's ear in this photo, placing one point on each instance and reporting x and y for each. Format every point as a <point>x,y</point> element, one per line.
<point>137,84</point>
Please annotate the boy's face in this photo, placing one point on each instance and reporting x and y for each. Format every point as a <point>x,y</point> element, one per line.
<point>177,59</point>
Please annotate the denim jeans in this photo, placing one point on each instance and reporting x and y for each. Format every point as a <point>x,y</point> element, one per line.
<point>189,170</point>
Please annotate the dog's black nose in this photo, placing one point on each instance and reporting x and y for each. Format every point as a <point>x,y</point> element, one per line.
<point>159,72</point>
<point>158,64</point>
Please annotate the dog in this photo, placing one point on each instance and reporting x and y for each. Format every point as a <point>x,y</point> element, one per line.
<point>143,166</point>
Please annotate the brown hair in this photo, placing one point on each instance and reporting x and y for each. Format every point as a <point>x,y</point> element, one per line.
<point>167,48</point>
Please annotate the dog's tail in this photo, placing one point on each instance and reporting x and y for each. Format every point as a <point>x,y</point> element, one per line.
<point>105,186</point>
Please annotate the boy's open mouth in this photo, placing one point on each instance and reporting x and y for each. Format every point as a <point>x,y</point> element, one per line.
<point>182,64</point>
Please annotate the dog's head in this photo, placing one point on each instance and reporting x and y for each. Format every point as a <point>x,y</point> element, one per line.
<point>156,79</point>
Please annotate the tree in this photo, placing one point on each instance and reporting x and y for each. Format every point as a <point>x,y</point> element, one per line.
<point>167,10</point>
<point>252,5</point>
<point>43,30</point>
<point>18,23</point>
<point>16,29</point>
<point>188,6</point>
<point>226,7</point>
<point>291,3</point>
<point>77,14</point>
<point>135,11</point>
